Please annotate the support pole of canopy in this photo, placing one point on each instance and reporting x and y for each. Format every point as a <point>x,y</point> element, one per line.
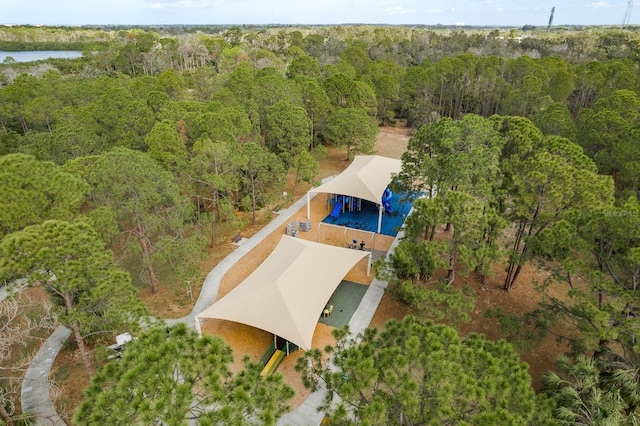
<point>308,206</point>
<point>369,264</point>
<point>380,209</point>
<point>275,342</point>
<point>198,328</point>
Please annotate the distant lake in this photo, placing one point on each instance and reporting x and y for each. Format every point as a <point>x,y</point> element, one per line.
<point>29,56</point>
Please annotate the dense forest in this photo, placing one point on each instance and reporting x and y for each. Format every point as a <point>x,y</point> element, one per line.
<point>120,168</point>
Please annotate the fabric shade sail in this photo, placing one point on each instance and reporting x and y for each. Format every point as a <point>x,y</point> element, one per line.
<point>287,293</point>
<point>367,177</point>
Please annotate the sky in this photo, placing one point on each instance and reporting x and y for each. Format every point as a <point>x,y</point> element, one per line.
<point>328,12</point>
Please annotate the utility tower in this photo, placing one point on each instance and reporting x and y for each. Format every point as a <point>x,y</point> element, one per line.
<point>627,14</point>
<point>553,9</point>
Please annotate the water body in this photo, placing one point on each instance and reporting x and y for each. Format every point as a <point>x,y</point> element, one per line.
<point>29,56</point>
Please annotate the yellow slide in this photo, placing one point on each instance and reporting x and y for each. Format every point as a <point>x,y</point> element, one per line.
<point>273,363</point>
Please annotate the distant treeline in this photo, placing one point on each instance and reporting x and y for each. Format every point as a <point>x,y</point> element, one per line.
<point>23,46</point>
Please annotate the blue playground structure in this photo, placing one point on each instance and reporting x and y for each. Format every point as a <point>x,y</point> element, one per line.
<point>386,200</point>
<point>337,209</point>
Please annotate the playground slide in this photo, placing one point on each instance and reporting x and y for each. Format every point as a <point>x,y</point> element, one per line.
<point>273,363</point>
<point>386,200</point>
<point>336,210</point>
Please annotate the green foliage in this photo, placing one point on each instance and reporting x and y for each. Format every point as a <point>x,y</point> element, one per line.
<point>133,185</point>
<point>594,391</point>
<point>306,167</point>
<point>33,191</point>
<point>436,301</point>
<point>411,260</point>
<point>93,291</point>
<point>523,331</point>
<point>166,147</point>
<point>262,174</point>
<point>94,297</point>
<point>180,257</point>
<point>215,86</point>
<point>421,373</point>
<point>304,65</point>
<point>123,120</point>
<point>103,221</point>
<point>546,184</point>
<point>144,198</point>
<point>608,134</point>
<point>316,102</point>
<point>556,120</point>
<point>288,131</point>
<point>215,173</point>
<point>444,158</point>
<point>171,376</point>
<point>352,128</point>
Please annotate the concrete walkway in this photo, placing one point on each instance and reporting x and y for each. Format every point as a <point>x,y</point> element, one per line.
<point>34,394</point>
<point>35,387</point>
<point>12,288</point>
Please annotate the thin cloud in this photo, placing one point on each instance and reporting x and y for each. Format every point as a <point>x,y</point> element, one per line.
<point>181,4</point>
<point>597,5</point>
<point>396,10</point>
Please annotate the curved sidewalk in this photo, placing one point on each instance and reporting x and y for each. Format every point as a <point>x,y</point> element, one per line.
<point>35,385</point>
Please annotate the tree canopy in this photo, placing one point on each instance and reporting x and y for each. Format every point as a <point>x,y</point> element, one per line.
<point>172,376</point>
<point>93,295</point>
<point>421,373</point>
<point>33,191</point>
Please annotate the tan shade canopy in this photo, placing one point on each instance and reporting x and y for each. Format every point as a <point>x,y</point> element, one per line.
<point>286,294</point>
<point>367,178</point>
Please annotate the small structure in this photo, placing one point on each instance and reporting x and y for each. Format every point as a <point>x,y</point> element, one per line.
<point>305,226</point>
<point>117,348</point>
<point>292,230</point>
<point>327,311</point>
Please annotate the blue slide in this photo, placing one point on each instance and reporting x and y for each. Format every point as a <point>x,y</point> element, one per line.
<point>386,200</point>
<point>337,209</point>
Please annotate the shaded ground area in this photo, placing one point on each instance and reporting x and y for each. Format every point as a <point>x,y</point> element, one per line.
<point>366,218</point>
<point>345,301</point>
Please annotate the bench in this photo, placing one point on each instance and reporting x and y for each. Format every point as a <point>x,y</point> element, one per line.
<point>237,238</point>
